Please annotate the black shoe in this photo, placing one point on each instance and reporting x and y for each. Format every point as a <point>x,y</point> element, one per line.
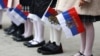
<point>39,50</point>
<point>12,26</point>
<point>22,38</point>
<point>52,49</point>
<point>12,29</point>
<point>28,44</point>
<point>0,26</point>
<point>20,31</point>
<point>7,29</point>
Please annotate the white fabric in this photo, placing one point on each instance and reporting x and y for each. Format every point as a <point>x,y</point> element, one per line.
<point>65,29</point>
<point>57,36</point>
<point>33,17</point>
<point>38,32</point>
<point>28,29</point>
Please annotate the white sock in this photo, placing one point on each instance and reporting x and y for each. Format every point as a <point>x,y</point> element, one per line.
<point>25,27</point>
<point>1,14</point>
<point>51,34</point>
<point>40,31</point>
<point>35,27</point>
<point>57,36</point>
<point>29,29</point>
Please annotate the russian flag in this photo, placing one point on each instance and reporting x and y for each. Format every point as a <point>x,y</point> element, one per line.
<point>20,16</point>
<point>3,4</point>
<point>70,22</point>
<point>51,12</point>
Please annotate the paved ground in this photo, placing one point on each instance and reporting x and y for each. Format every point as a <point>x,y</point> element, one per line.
<point>8,47</point>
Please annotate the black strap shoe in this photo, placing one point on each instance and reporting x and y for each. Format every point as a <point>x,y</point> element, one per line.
<point>39,50</point>
<point>52,49</point>
<point>28,44</point>
<point>22,38</point>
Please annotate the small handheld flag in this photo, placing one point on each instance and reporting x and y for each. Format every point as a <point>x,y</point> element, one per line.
<point>3,4</point>
<point>20,16</point>
<point>70,22</point>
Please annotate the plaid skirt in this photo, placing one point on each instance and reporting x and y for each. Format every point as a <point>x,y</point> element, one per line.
<point>26,8</point>
<point>87,18</point>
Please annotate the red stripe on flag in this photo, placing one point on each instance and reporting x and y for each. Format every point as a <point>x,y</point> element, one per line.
<point>52,11</point>
<point>26,13</point>
<point>19,7</point>
<point>5,3</point>
<point>77,20</point>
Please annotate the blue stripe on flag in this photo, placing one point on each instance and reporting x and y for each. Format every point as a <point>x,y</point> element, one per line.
<point>21,14</point>
<point>70,23</point>
<point>2,3</point>
<point>47,14</point>
<point>10,9</point>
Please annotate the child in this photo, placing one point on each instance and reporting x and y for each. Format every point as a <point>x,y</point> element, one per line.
<point>37,10</point>
<point>28,33</point>
<point>13,28</point>
<point>89,11</point>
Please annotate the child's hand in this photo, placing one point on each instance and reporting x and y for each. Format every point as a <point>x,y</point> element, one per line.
<point>82,3</point>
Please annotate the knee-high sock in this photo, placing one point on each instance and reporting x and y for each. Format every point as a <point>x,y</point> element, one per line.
<point>57,36</point>
<point>40,31</point>
<point>25,27</point>
<point>1,14</point>
<point>51,34</point>
<point>29,28</point>
<point>35,27</point>
<point>89,39</point>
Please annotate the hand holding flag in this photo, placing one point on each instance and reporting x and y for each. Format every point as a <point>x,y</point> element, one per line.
<point>70,22</point>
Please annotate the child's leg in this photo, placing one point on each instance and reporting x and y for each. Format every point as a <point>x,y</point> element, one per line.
<point>54,46</point>
<point>38,34</point>
<point>25,27</point>
<point>89,39</point>
<point>51,34</point>
<point>57,36</point>
<point>83,42</point>
<point>28,28</point>
<point>1,14</point>
<point>40,37</point>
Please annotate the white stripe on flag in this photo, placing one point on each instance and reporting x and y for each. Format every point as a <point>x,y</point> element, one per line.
<point>65,29</point>
<point>12,18</point>
<point>1,7</point>
<point>17,17</point>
